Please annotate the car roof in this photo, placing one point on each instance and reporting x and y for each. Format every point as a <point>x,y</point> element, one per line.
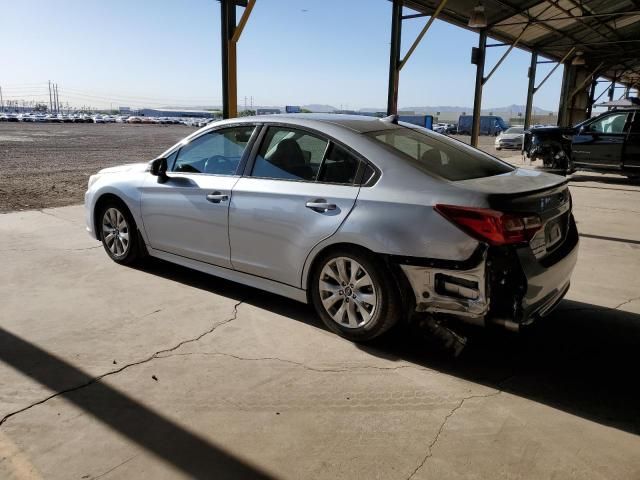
<point>357,123</point>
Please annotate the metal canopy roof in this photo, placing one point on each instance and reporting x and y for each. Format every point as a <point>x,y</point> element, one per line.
<point>604,30</point>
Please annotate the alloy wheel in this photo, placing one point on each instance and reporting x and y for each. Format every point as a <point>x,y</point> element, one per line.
<point>347,292</point>
<point>115,232</point>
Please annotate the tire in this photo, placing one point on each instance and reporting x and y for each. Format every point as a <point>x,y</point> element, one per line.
<point>356,312</point>
<point>115,219</point>
<point>498,148</point>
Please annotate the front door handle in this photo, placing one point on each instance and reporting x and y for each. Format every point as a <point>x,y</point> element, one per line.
<point>321,205</point>
<point>217,197</point>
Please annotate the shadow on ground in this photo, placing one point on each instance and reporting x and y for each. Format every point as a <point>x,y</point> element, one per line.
<point>185,450</point>
<point>582,359</point>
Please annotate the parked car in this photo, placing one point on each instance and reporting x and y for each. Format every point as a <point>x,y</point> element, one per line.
<point>511,138</point>
<point>609,142</point>
<point>440,127</point>
<point>134,120</point>
<point>489,125</point>
<point>439,228</point>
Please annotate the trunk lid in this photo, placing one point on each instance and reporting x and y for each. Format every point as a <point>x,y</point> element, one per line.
<point>530,192</point>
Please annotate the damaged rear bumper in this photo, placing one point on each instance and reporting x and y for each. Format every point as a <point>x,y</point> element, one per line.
<point>507,287</point>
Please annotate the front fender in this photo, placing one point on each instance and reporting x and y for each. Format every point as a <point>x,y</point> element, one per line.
<point>127,190</point>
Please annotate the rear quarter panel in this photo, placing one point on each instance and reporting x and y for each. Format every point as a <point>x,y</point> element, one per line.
<point>396,216</point>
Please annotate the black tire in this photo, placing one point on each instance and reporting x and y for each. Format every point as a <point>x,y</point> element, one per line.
<point>134,250</point>
<point>387,310</point>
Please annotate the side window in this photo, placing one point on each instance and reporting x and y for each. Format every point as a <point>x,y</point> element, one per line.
<point>171,159</point>
<point>289,154</point>
<point>610,124</point>
<point>339,166</point>
<point>216,153</point>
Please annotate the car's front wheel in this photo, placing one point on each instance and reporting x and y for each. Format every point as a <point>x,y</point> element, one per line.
<point>119,233</point>
<point>355,295</point>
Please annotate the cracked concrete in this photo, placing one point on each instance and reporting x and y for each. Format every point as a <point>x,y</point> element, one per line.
<point>431,446</point>
<point>120,366</point>
<point>151,357</point>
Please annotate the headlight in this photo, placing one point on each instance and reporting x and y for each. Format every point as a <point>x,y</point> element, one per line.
<point>92,180</point>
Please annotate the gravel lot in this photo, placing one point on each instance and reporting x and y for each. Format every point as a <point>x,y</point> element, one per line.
<point>47,165</point>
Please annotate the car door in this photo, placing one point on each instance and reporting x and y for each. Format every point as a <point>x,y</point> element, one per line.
<point>187,214</point>
<point>599,144</point>
<point>631,154</point>
<point>298,191</point>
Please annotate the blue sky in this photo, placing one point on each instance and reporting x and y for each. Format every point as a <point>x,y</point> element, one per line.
<point>159,52</point>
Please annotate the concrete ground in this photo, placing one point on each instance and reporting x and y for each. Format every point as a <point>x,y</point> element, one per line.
<point>160,372</point>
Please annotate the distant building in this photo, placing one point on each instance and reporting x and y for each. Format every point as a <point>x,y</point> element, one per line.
<point>153,112</point>
<point>125,110</point>
<point>268,111</point>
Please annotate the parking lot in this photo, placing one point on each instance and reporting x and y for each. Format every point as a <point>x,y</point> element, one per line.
<point>161,372</point>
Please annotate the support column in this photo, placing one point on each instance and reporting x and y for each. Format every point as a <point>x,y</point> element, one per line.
<point>531,89</point>
<point>394,57</point>
<point>575,97</point>
<point>565,92</point>
<point>229,87</point>
<point>477,96</point>
<point>592,96</point>
<point>612,90</point>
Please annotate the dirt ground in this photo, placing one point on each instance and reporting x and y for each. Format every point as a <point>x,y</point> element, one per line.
<point>48,165</point>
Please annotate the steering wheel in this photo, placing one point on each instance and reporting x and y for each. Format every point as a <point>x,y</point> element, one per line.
<point>217,161</point>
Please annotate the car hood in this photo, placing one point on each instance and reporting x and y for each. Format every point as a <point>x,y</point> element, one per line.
<point>130,167</point>
<point>510,136</point>
<point>518,181</point>
<point>540,130</point>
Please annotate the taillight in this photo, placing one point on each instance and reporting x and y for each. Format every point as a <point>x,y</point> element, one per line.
<point>491,226</point>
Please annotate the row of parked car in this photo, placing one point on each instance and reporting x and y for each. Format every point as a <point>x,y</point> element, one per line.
<point>97,118</point>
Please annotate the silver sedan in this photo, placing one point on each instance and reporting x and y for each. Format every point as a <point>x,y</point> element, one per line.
<point>371,221</point>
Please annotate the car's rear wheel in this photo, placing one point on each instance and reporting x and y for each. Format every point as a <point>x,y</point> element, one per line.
<point>119,233</point>
<point>355,295</point>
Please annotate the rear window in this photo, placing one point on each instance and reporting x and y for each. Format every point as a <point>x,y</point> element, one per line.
<point>446,158</point>
<point>515,130</point>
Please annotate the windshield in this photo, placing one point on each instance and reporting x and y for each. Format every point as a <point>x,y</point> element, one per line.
<point>515,130</point>
<point>446,158</point>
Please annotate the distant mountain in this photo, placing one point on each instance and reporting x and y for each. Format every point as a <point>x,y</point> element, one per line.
<point>510,110</point>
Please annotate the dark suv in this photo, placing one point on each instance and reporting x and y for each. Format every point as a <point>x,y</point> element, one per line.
<point>609,142</point>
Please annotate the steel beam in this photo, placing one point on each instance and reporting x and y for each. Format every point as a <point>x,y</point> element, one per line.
<point>504,56</point>
<point>531,89</point>
<point>422,33</point>
<point>227,27</point>
<point>568,54</point>
<point>569,17</point>
<point>477,96</point>
<point>230,34</point>
<point>394,57</point>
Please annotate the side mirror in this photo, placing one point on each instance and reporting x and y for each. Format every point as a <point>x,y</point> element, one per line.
<point>159,169</point>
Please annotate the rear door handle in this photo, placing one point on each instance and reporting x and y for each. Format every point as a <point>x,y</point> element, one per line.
<point>217,197</point>
<point>321,205</point>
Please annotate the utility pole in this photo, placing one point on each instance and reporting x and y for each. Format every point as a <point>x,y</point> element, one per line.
<point>57,99</point>
<point>1,99</point>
